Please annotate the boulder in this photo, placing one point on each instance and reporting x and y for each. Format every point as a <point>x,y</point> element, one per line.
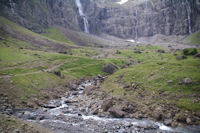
<point>117,112</point>
<point>107,104</point>
<point>187,81</point>
<point>110,68</point>
<point>168,122</point>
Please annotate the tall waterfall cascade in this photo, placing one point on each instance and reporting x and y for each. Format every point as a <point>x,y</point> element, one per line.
<point>188,8</point>
<point>81,13</point>
<point>136,25</point>
<point>12,6</point>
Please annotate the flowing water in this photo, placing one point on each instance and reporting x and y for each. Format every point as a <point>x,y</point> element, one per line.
<point>69,115</point>
<point>188,8</point>
<point>136,25</point>
<point>85,21</point>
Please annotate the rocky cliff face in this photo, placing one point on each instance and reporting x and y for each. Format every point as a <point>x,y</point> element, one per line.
<point>133,19</point>
<point>145,18</point>
<point>39,14</point>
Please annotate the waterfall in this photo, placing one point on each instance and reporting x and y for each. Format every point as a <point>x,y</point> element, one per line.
<point>85,21</point>
<point>146,5</point>
<point>136,25</point>
<point>188,8</point>
<point>12,6</point>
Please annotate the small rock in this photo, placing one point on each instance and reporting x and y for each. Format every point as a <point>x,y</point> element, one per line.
<point>58,73</point>
<point>158,113</point>
<point>181,57</point>
<point>196,56</point>
<point>118,52</point>
<point>189,121</point>
<point>161,51</point>
<point>168,122</point>
<point>187,81</point>
<point>117,112</point>
<point>137,52</point>
<point>88,90</point>
<point>107,104</point>
<point>16,131</point>
<point>110,68</point>
<point>169,81</point>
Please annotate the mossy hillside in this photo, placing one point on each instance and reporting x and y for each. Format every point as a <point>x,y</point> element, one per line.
<point>194,38</point>
<point>21,30</point>
<point>57,35</point>
<point>153,75</point>
<point>83,67</point>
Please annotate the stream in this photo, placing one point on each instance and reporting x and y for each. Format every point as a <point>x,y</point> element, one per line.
<point>68,115</point>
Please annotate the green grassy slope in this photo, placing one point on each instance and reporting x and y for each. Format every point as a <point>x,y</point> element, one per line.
<point>194,38</point>
<point>56,34</point>
<point>157,72</point>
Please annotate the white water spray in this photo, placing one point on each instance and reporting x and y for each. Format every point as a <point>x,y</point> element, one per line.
<point>188,8</point>
<point>85,21</point>
<point>122,2</point>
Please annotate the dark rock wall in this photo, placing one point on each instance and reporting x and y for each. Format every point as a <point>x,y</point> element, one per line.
<point>145,19</point>
<point>131,20</point>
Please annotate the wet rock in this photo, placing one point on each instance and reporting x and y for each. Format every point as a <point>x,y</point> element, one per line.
<point>189,121</point>
<point>168,122</point>
<point>161,51</point>
<point>181,57</point>
<point>187,81</point>
<point>110,68</point>
<point>158,113</point>
<point>29,115</point>
<point>107,104</point>
<point>40,118</point>
<point>117,112</point>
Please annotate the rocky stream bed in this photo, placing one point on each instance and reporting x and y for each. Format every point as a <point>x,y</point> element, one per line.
<point>73,114</point>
